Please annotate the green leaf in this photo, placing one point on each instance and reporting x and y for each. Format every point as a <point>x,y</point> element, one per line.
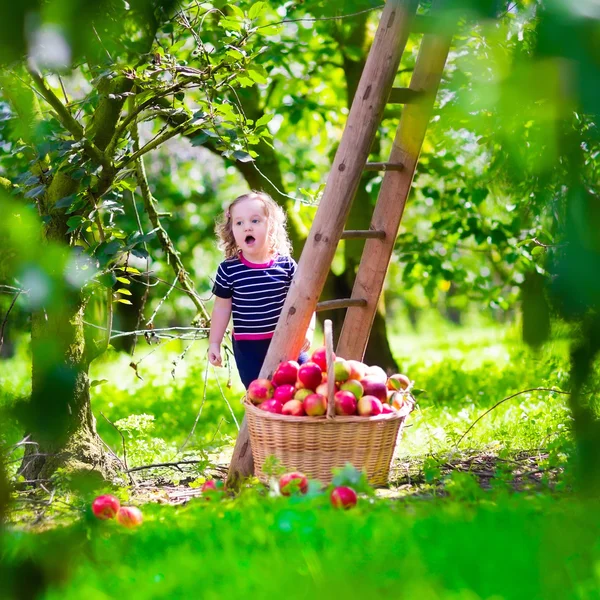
<point>124,301</point>
<point>124,280</point>
<point>256,76</point>
<point>65,202</point>
<point>264,120</point>
<point>97,382</point>
<point>256,9</point>
<point>124,291</point>
<point>237,10</point>
<point>35,192</point>
<point>243,157</point>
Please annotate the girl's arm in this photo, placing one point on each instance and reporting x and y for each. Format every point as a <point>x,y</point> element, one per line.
<point>219,320</point>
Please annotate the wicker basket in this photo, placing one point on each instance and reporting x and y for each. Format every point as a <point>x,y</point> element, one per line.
<point>315,445</point>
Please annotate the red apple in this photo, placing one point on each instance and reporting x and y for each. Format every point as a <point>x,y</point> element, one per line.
<point>369,406</point>
<point>354,387</point>
<point>342,370</point>
<point>357,369</point>
<point>397,400</point>
<point>105,507</point>
<point>209,484</point>
<point>292,483</point>
<point>294,408</point>
<point>284,392</point>
<point>345,403</point>
<point>260,390</point>
<point>398,382</point>
<point>377,373</point>
<point>343,497</point>
<point>303,393</point>
<point>319,356</point>
<point>315,405</point>
<point>129,516</point>
<point>309,375</point>
<point>374,387</point>
<point>286,372</point>
<point>323,389</point>
<point>272,406</point>
<point>387,409</point>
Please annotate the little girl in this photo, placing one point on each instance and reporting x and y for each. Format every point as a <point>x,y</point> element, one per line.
<point>252,282</point>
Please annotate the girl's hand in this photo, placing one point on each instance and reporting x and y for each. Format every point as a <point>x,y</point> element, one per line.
<point>214,355</point>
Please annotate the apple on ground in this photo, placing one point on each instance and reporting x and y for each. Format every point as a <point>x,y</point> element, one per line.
<point>260,390</point>
<point>303,393</point>
<point>345,403</point>
<point>369,406</point>
<point>284,392</point>
<point>129,516</point>
<point>272,406</point>
<point>292,483</point>
<point>319,356</point>
<point>315,405</point>
<point>293,408</point>
<point>377,373</point>
<point>309,375</point>
<point>398,382</point>
<point>343,497</point>
<point>106,506</point>
<point>374,387</point>
<point>357,369</point>
<point>354,387</point>
<point>286,372</point>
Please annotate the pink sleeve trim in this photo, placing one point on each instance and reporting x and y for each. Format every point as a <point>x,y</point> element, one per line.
<point>252,336</point>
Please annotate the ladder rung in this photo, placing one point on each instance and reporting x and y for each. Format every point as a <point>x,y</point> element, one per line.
<point>405,96</point>
<point>383,166</point>
<point>363,234</point>
<point>341,303</point>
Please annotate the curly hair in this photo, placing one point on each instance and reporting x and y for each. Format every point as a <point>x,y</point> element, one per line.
<point>279,242</point>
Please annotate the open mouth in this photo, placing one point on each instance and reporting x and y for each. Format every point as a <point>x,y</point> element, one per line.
<point>249,240</point>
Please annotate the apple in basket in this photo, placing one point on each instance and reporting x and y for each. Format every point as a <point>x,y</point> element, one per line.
<point>397,400</point>
<point>272,406</point>
<point>374,387</point>
<point>260,390</point>
<point>293,408</point>
<point>345,403</point>
<point>342,370</point>
<point>309,375</point>
<point>369,406</point>
<point>319,356</point>
<point>354,387</point>
<point>302,393</point>
<point>286,372</point>
<point>284,392</point>
<point>315,405</point>
<point>358,370</point>
<point>398,382</point>
<point>386,409</point>
<point>377,373</point>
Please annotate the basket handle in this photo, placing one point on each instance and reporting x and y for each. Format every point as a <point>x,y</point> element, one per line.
<point>328,330</point>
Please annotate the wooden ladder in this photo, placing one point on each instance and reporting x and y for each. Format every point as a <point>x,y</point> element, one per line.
<point>374,91</point>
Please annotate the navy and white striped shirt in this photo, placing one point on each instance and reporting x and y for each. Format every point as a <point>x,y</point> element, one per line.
<point>257,293</point>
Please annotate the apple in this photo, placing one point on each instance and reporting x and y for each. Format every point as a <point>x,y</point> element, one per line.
<point>377,373</point>
<point>354,387</point>
<point>345,403</point>
<point>303,393</point>
<point>398,382</point>
<point>292,483</point>
<point>369,406</point>
<point>387,409</point>
<point>357,369</point>
<point>343,497</point>
<point>315,405</point>
<point>374,387</point>
<point>397,400</point>
<point>294,408</point>
<point>105,507</point>
<point>309,375</point>
<point>260,390</point>
<point>284,392</point>
<point>272,406</point>
<point>342,370</point>
<point>323,389</point>
<point>129,516</point>
<point>319,356</point>
<point>286,372</point>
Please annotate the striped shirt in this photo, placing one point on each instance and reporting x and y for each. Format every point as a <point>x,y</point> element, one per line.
<point>257,293</point>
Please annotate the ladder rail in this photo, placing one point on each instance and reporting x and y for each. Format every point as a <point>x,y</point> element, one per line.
<point>393,195</point>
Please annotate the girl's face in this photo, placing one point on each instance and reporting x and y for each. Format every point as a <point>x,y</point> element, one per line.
<point>250,226</point>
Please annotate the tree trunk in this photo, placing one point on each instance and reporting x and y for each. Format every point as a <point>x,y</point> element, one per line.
<point>59,416</point>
